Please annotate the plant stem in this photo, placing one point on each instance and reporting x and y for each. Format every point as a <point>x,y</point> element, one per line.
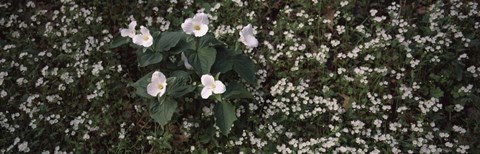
<point>197,40</point>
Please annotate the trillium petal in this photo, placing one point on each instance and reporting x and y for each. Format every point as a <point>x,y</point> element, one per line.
<point>144,30</point>
<point>162,91</point>
<point>132,25</point>
<point>247,38</point>
<point>251,41</point>
<point>130,31</point>
<point>124,32</point>
<point>149,42</point>
<point>201,17</point>
<point>158,77</point>
<point>203,30</point>
<point>247,30</point>
<point>187,65</point>
<point>152,89</point>
<point>138,39</point>
<point>207,80</point>
<point>185,62</point>
<point>206,92</point>
<point>187,26</point>
<point>219,87</point>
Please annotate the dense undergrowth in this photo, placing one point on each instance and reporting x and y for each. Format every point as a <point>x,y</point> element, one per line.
<point>333,77</point>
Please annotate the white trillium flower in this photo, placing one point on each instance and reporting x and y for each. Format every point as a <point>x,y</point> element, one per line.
<point>144,39</point>
<point>211,86</point>
<point>247,38</point>
<point>157,85</point>
<point>198,25</point>
<point>185,62</point>
<point>130,31</point>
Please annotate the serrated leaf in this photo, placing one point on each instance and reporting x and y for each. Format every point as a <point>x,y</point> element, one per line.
<point>202,59</point>
<point>162,112</point>
<point>236,91</point>
<point>245,68</point>
<point>148,57</point>
<point>141,85</point>
<point>437,92</point>
<point>167,40</point>
<point>118,41</point>
<point>224,116</point>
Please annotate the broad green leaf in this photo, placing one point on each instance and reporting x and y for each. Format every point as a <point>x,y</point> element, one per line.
<point>245,68</point>
<point>224,116</point>
<point>223,62</point>
<point>181,46</point>
<point>180,74</point>
<point>177,87</point>
<point>141,85</point>
<point>236,90</point>
<point>118,41</point>
<point>224,52</point>
<point>208,40</point>
<point>163,111</point>
<point>202,59</point>
<point>222,66</point>
<point>167,40</point>
<point>148,57</point>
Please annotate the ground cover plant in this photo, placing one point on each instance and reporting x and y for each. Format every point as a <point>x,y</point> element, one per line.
<point>309,76</point>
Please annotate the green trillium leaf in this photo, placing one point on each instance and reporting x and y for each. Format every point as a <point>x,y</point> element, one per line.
<point>224,116</point>
<point>162,112</point>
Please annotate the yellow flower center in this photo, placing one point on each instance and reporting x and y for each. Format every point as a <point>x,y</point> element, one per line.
<point>213,86</point>
<point>196,27</point>
<point>160,86</point>
<point>145,37</point>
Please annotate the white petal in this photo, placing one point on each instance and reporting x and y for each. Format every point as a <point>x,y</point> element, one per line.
<point>138,39</point>
<point>185,62</point>
<point>250,41</point>
<point>187,65</point>
<point>187,26</point>
<point>219,87</point>
<point>132,25</point>
<point>201,17</point>
<point>149,42</point>
<point>247,30</point>
<point>124,32</point>
<point>203,30</point>
<point>152,89</point>
<point>144,30</point>
<point>162,91</point>
<point>132,33</point>
<point>247,38</point>
<point>158,77</point>
<point>207,80</point>
<point>206,92</point>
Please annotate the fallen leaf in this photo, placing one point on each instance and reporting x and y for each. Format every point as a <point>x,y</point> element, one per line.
<point>346,102</point>
<point>330,15</point>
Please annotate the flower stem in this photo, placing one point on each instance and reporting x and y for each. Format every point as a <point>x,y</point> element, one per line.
<point>236,46</point>
<point>197,44</point>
